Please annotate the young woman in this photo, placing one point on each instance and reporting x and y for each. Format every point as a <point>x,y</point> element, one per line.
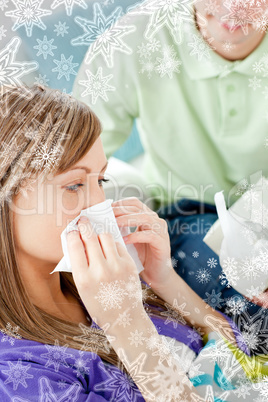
<point>100,333</point>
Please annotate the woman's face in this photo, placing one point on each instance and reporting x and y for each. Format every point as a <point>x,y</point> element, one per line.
<point>234,21</point>
<point>42,214</point>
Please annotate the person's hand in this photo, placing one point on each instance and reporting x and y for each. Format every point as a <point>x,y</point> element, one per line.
<point>103,271</point>
<point>151,239</point>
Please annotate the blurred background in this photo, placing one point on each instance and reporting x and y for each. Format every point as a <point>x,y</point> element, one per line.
<point>36,47</point>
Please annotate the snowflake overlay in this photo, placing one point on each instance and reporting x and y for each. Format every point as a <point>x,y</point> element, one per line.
<point>28,13</point>
<point>69,5</point>
<point>103,34</point>
<point>97,85</point>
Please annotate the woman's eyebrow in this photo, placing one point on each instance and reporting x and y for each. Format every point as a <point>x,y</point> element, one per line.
<point>87,169</point>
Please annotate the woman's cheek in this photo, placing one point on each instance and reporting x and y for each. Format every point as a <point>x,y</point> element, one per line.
<point>68,206</point>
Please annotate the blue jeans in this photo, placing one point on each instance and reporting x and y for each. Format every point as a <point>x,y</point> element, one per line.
<point>188,222</point>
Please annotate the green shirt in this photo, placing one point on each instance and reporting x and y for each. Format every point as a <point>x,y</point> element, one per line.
<point>202,120</point>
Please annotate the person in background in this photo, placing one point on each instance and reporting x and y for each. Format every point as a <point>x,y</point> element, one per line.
<point>194,76</point>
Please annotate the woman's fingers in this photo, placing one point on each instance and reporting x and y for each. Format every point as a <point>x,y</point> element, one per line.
<point>90,240</point>
<point>147,222</point>
<point>108,245</point>
<point>131,202</point>
<point>76,252</point>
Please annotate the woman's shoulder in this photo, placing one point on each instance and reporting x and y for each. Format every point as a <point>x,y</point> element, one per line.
<point>29,370</point>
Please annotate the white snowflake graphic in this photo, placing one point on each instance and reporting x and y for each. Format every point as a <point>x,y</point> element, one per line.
<point>124,319</point>
<point>111,295</point>
<point>10,334</point>
<point>168,64</point>
<point>17,374</point>
<point>260,24</point>
<point>28,356</point>
<point>41,80</point>
<point>136,338</point>
<point>199,48</point>
<point>80,366</point>
<point>9,152</point>
<point>3,4</point>
<point>97,85</point>
<point>2,32</point>
<point>46,392</point>
<point>103,34</point>
<point>46,158</point>
<point>121,385</point>
<point>69,5</point>
<point>45,47</point>
<point>212,262</point>
<point>229,266</point>
<point>212,7</point>
<point>65,67</point>
<point>91,339</point>
<point>174,262</point>
<point>195,254</point>
<point>228,46</point>
<point>61,29</point>
<point>148,67</point>
<point>56,356</point>
<point>166,350</point>
<point>170,13</point>
<point>241,14</point>
<point>175,313</point>
<point>214,299</point>
<point>203,275</point>
<point>28,13</point>
<point>254,83</point>
<point>236,305</point>
<point>12,71</point>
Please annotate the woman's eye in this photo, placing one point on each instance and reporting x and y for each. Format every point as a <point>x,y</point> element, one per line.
<point>74,187</point>
<point>101,181</point>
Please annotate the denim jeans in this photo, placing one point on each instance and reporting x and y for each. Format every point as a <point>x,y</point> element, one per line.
<point>188,222</point>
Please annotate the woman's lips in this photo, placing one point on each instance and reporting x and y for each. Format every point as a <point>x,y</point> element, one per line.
<point>230,27</point>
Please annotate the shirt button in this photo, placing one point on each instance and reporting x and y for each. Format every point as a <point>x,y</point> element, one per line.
<point>233,112</point>
<point>230,88</point>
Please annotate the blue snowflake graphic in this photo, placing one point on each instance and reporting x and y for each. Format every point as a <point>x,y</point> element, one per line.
<point>28,13</point>
<point>17,374</point>
<point>69,5</point>
<point>105,35</point>
<point>45,47</point>
<point>65,67</point>
<point>12,71</point>
<point>61,29</point>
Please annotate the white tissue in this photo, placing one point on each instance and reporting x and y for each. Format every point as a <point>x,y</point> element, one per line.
<point>102,220</point>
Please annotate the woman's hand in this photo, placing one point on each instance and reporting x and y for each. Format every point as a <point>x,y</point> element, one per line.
<point>103,272</point>
<point>151,239</point>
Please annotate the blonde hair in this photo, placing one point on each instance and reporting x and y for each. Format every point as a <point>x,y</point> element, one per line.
<point>32,120</point>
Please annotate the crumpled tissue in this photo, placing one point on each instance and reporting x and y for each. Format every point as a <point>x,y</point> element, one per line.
<point>102,220</point>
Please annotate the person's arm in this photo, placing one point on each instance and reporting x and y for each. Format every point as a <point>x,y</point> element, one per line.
<point>152,242</point>
<point>175,291</point>
<point>107,279</point>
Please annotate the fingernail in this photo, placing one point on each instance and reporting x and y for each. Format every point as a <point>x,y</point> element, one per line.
<point>125,239</point>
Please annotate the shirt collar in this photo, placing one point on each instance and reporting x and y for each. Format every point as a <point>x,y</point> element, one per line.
<point>213,65</point>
